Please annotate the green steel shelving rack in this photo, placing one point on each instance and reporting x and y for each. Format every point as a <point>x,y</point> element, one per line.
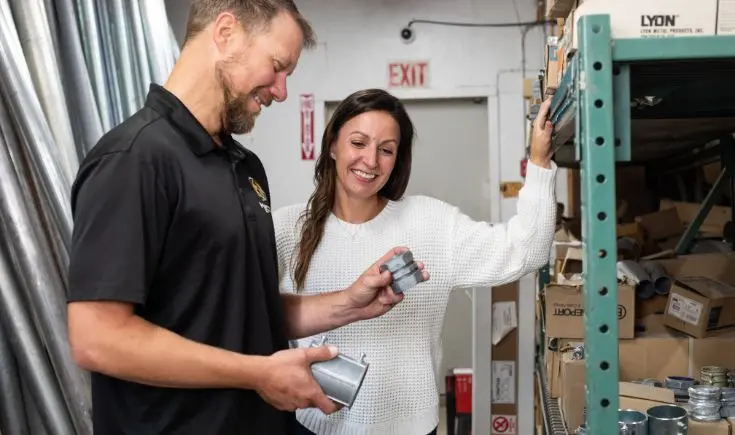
<point>596,126</point>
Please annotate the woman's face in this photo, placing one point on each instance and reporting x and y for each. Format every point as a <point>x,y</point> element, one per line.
<point>365,153</point>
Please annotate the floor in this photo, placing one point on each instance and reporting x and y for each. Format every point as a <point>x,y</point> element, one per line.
<point>442,420</point>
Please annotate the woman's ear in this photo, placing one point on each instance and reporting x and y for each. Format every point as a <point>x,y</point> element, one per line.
<point>331,152</point>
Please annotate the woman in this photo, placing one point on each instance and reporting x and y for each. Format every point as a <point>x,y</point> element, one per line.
<point>356,213</point>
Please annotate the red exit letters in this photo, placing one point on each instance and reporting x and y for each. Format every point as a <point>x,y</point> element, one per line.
<point>408,74</point>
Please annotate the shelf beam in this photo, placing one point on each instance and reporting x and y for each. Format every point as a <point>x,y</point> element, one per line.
<point>679,48</point>
<point>595,138</point>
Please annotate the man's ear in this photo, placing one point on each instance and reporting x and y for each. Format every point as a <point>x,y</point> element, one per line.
<point>224,29</point>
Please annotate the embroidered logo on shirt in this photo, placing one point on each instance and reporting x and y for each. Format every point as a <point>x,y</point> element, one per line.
<point>260,193</point>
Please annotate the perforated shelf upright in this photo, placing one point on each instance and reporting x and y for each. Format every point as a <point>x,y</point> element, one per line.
<point>630,100</point>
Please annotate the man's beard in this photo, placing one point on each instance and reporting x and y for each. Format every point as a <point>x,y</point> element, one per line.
<point>236,118</point>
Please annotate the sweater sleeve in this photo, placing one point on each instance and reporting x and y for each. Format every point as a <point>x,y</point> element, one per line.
<point>484,254</point>
<point>284,225</point>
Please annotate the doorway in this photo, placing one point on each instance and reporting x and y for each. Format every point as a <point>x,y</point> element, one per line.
<point>451,163</point>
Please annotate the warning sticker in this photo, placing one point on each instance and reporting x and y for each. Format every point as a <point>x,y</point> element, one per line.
<point>503,424</point>
<point>685,309</point>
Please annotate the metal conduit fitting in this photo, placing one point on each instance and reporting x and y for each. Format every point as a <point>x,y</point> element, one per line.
<point>405,271</point>
<point>631,271</point>
<point>340,377</point>
<point>632,422</point>
<point>659,277</point>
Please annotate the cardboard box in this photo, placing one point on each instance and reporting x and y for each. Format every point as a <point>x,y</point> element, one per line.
<point>699,306</point>
<point>656,353</point>
<point>565,309</point>
<point>660,18</point>
<point>573,391</point>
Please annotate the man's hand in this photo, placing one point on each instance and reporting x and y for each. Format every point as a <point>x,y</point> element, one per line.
<point>288,384</point>
<point>371,294</point>
<point>541,152</point>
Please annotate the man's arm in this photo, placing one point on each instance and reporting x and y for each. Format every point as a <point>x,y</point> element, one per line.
<point>107,337</point>
<point>307,315</point>
<point>368,297</point>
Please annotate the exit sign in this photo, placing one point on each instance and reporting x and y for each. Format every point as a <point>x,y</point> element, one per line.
<point>408,74</point>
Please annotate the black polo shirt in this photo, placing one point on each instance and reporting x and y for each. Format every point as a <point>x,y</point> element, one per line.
<point>181,228</point>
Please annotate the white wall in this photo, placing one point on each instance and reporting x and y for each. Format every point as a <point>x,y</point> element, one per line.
<point>357,39</point>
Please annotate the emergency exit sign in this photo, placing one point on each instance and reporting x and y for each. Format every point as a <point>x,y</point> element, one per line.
<point>408,74</point>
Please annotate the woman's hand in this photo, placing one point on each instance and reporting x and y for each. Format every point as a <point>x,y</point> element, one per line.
<point>541,151</point>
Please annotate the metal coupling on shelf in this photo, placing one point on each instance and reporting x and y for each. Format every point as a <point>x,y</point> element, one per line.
<point>704,403</point>
<point>405,271</point>
<point>632,272</point>
<point>679,383</point>
<point>713,375</point>
<point>667,419</point>
<point>632,422</point>
<point>340,377</point>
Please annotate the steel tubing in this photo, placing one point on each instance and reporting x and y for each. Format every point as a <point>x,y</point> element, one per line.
<point>141,50</point>
<point>17,89</point>
<point>12,411</point>
<point>19,229</point>
<point>86,114</point>
<point>29,351</point>
<point>32,25</point>
<point>123,50</point>
<point>158,39</point>
<point>92,38</point>
<point>36,425</point>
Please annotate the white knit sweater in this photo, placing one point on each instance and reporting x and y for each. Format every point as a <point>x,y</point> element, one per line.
<point>403,347</point>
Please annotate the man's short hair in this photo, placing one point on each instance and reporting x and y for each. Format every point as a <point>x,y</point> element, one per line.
<point>252,14</point>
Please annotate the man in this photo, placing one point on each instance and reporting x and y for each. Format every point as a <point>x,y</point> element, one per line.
<point>173,298</point>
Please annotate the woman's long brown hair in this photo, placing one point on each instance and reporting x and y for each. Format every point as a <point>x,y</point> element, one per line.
<point>321,202</point>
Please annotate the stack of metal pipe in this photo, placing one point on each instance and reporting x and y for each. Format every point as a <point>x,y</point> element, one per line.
<point>69,72</point>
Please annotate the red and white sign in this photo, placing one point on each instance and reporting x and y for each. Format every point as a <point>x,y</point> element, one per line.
<point>408,74</point>
<point>307,126</point>
<point>503,425</point>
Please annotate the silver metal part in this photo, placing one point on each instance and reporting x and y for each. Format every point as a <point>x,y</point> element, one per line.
<point>659,277</point>
<point>405,271</point>
<point>340,377</point>
<point>633,273</point>
<point>704,403</point>
<point>667,420</point>
<point>632,422</point>
<point>679,382</point>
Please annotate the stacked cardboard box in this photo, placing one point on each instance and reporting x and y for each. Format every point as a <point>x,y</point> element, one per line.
<point>675,334</point>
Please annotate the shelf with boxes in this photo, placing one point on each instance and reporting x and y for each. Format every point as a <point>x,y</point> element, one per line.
<point>621,98</point>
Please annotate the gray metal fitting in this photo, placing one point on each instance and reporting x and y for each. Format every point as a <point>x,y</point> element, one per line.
<point>679,382</point>
<point>661,280</point>
<point>405,271</point>
<point>340,377</point>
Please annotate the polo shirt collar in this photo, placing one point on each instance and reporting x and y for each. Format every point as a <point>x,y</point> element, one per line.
<point>196,136</point>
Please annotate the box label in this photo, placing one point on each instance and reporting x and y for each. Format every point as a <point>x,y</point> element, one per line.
<point>504,382</point>
<point>688,310</point>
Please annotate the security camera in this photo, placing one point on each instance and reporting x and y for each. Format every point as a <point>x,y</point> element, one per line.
<point>407,35</point>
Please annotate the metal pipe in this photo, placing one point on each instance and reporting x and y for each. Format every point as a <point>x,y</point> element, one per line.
<point>19,229</point>
<point>12,411</point>
<point>634,273</point>
<point>86,114</point>
<point>158,39</point>
<point>123,49</point>
<point>28,349</point>
<point>24,106</point>
<point>140,49</point>
<point>660,278</point>
<point>32,25</point>
<point>36,426</point>
<point>95,62</point>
